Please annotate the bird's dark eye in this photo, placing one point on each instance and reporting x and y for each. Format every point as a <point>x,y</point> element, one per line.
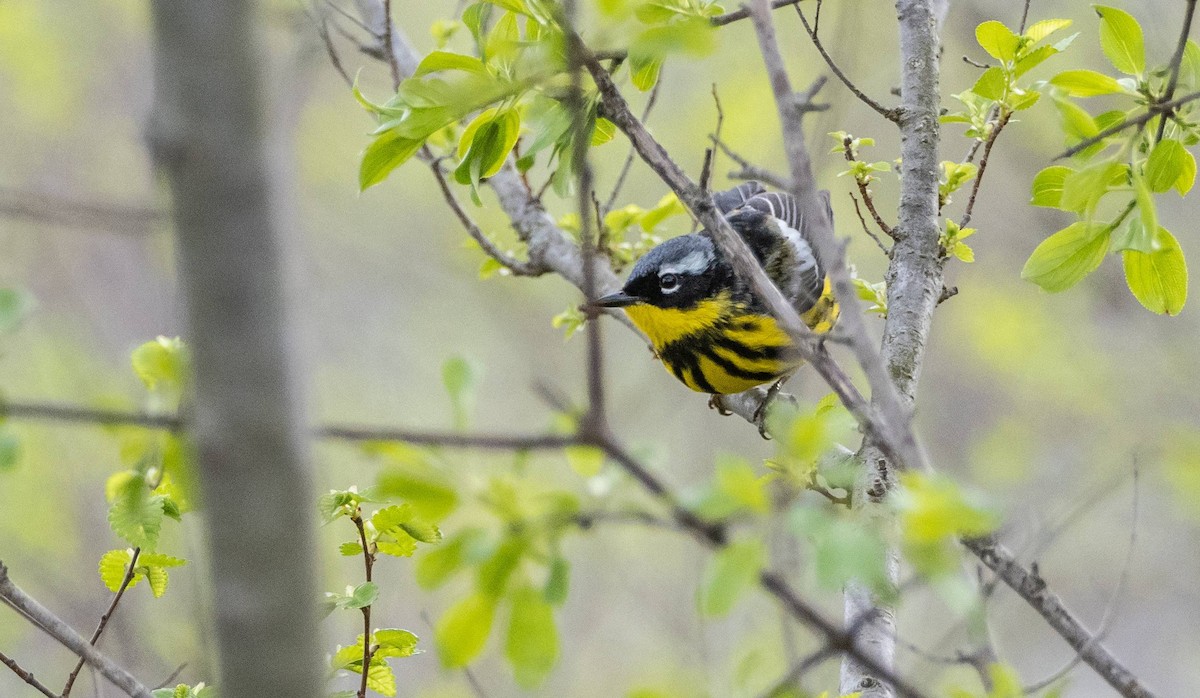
<point>668,281</point>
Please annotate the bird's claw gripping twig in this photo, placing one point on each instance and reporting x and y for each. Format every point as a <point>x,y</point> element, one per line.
<point>715,403</point>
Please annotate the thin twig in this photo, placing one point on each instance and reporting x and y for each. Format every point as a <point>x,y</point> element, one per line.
<point>390,55</point>
<point>125,582</point>
<point>1152,110</point>
<point>848,151</point>
<point>171,677</point>
<point>866,228</point>
<point>25,676</point>
<point>514,265</point>
<point>651,100</point>
<point>1176,62</point>
<point>1024,17</point>
<point>983,163</point>
<point>892,114</point>
<point>60,631</point>
<point>1110,611</point>
<point>368,563</point>
<point>73,213</point>
<point>750,170</point>
<point>331,51</point>
<point>335,432</point>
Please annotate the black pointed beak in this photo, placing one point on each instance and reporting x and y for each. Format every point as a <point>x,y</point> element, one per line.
<point>620,299</point>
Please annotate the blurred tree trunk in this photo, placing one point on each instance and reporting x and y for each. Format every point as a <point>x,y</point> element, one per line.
<point>207,135</point>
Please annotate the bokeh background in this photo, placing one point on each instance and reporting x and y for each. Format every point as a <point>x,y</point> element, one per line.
<point>1048,403</point>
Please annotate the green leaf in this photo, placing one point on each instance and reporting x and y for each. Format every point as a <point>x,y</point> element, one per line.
<point>463,631</point>
<point>460,376</point>
<point>363,595</point>
<point>643,71</point>
<point>135,515</point>
<point>1170,165</point>
<point>1086,83</point>
<point>1133,235</point>
<point>14,306</point>
<point>380,677</point>
<point>445,60</point>
<point>496,570</point>
<point>1147,212</point>
<point>603,131</point>
<point>387,152</point>
<point>350,548</point>
<point>736,479</point>
<point>558,583</point>
<point>10,448</point>
<point>587,461</point>
<point>1064,258</point>
<point>934,507</point>
<point>730,572</point>
<point>113,566</point>
<point>422,486</point>
<point>1048,186</point>
<point>1083,190</point>
<point>440,563</point>
<point>532,644</point>
<point>1077,124</point>
<point>394,642</point>
<point>1158,279</point>
<point>1046,27</point>
<point>998,40</point>
<point>157,578</point>
<point>992,84</point>
<point>1033,59</point>
<point>1121,39</point>
<point>162,363</point>
<point>489,146</point>
<point>517,6</point>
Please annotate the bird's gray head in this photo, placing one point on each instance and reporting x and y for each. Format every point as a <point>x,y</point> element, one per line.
<point>676,274</point>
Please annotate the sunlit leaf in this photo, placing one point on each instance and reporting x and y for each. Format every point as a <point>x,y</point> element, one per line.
<point>1040,30</point>
<point>1086,83</point>
<point>1158,279</point>
<point>731,571</point>
<point>387,152</point>
<point>1170,165</point>
<point>445,60</point>
<point>1121,39</point>
<point>998,40</point>
<point>1064,258</point>
<point>1048,186</point>
<point>532,644</point>
<point>463,630</point>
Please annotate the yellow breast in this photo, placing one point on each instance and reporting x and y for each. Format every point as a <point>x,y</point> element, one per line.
<point>720,346</point>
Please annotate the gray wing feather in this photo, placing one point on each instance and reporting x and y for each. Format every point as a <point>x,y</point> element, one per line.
<point>732,199</point>
<point>796,268</point>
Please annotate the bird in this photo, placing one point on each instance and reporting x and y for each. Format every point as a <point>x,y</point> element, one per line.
<point>704,321</point>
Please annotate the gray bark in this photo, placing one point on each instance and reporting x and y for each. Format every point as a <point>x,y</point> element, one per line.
<point>914,282</point>
<point>208,138</point>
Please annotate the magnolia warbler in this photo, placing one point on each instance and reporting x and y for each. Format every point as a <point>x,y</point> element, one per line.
<point>705,323</point>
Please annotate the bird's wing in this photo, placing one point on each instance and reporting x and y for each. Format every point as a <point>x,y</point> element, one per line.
<point>793,265</point>
<point>731,199</point>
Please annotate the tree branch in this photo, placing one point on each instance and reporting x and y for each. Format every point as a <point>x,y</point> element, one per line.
<point>743,12</point>
<point>1034,590</point>
<point>70,639</point>
<point>25,676</point>
<point>514,265</point>
<point>983,163</point>
<point>1152,110</point>
<point>1176,63</point>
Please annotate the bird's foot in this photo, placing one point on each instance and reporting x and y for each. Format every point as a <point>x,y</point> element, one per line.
<point>715,403</point>
<point>760,415</point>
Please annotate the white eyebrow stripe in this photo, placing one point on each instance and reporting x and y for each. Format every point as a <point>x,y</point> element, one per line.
<point>694,263</point>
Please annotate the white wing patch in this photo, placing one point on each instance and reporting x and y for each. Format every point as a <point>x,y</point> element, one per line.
<point>805,258</point>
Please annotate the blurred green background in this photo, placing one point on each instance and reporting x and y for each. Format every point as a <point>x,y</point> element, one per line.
<point>1046,402</point>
